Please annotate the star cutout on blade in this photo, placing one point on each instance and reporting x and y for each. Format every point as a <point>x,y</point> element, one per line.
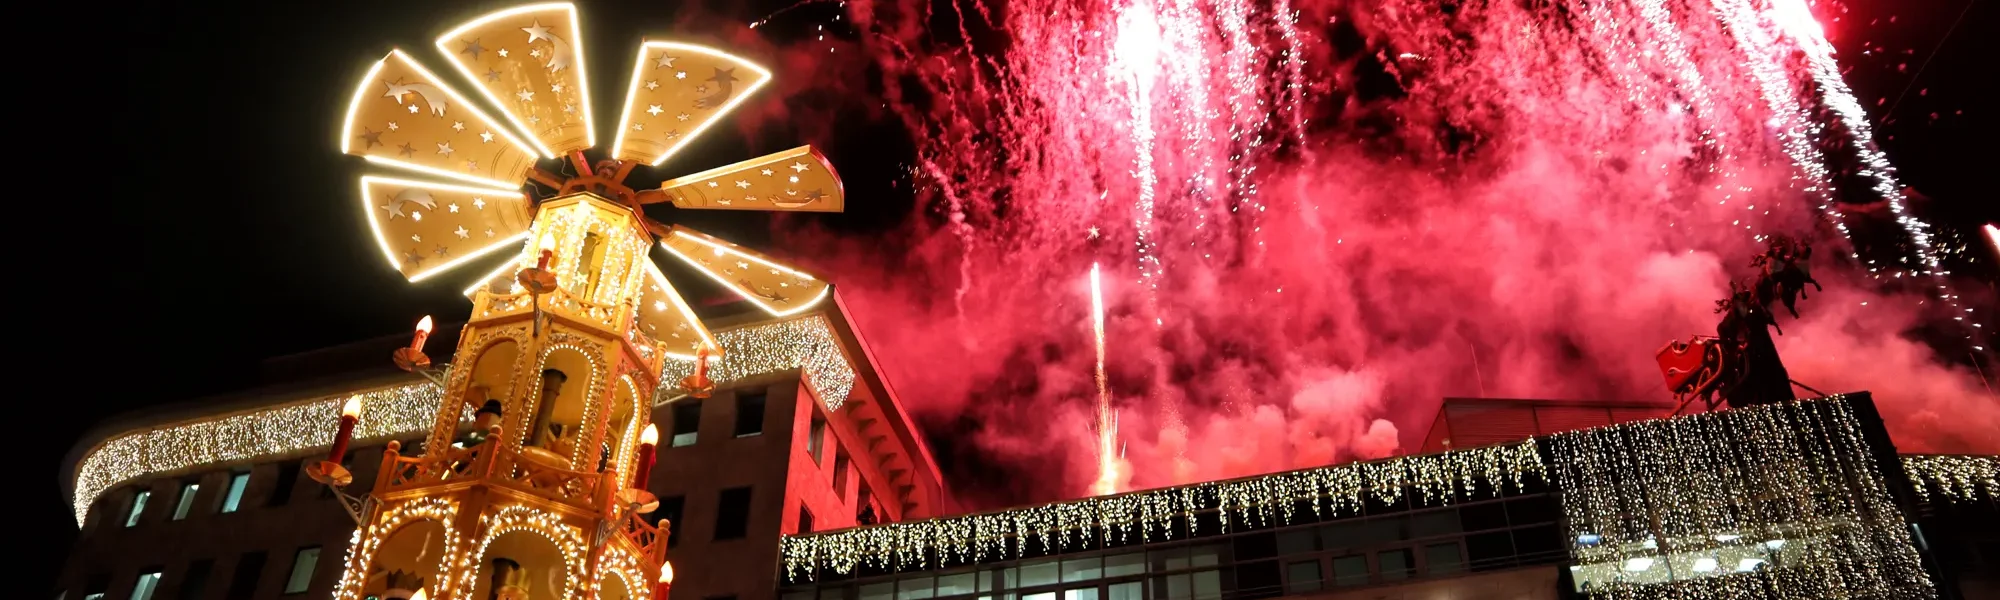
<point>414,257</point>
<point>479,203</point>
<point>724,75</point>
<point>492,75</point>
<point>742,184</point>
<point>473,48</point>
<point>569,108</point>
<point>445,148</point>
<point>652,84</point>
<point>392,126</point>
<point>680,74</point>
<point>374,138</point>
<point>534,120</point>
<point>766,172</point>
<point>489,232</point>
<point>743,265</point>
<point>654,109</point>
<point>485,136</point>
<point>537,32</point>
<point>673,135</point>
<point>418,215</point>
<point>638,126</point>
<point>462,233</point>
<point>682,116</point>
<point>666,60</point>
<point>395,209</point>
<point>526,95</point>
<point>458,125</point>
<point>453,206</point>
<point>416,238</point>
<point>799,166</point>
<point>471,165</point>
<point>407,150</point>
<point>537,53</point>
<point>443,251</point>
<point>413,109</point>
<point>814,195</point>
<point>714,184</point>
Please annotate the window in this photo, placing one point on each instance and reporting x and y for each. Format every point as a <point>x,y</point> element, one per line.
<point>805,520</point>
<point>749,415</point>
<point>1443,559</point>
<point>1042,572</point>
<point>1350,570</point>
<point>670,511</point>
<point>916,588</point>
<point>1082,569</point>
<point>302,570</point>
<point>232,498</point>
<point>863,514</point>
<point>840,468</point>
<point>879,591</point>
<point>1118,565</point>
<point>148,583</point>
<point>1089,593</point>
<point>1130,590</point>
<point>138,507</point>
<point>195,581</point>
<point>687,422</point>
<point>732,516</point>
<point>1302,577</point>
<point>186,502</point>
<point>288,478</point>
<point>817,438</point>
<point>249,569</point>
<point>1395,564</point>
<point>956,585</point>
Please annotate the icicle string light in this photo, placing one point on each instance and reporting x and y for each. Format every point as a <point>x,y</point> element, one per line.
<point>1781,500</point>
<point>1150,515</point>
<point>1957,478</point>
<point>390,412</point>
<point>804,343</point>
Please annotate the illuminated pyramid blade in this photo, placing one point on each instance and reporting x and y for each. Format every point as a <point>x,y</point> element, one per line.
<point>402,115</point>
<point>778,289</point>
<point>528,60</point>
<point>427,228</point>
<point>664,316</point>
<point>795,180</point>
<point>677,91</point>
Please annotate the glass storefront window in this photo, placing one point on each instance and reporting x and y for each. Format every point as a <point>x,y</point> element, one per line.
<point>1302,577</point>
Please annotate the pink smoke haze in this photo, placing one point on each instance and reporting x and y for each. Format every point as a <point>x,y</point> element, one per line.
<point>1318,221</point>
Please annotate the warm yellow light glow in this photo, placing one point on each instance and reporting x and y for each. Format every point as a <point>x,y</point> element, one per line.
<point>632,92</point>
<point>388,252</point>
<point>361,91</point>
<point>424,325</point>
<point>420,595</point>
<point>720,250</point>
<point>680,305</point>
<point>352,408</point>
<point>576,54</point>
<point>651,436</point>
<point>667,572</point>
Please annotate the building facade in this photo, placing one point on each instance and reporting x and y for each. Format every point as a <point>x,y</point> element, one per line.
<point>208,506</point>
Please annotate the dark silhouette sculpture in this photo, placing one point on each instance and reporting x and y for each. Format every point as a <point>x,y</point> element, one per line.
<point>1740,364</point>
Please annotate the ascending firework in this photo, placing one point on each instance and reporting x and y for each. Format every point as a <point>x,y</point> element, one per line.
<point>1107,421</point>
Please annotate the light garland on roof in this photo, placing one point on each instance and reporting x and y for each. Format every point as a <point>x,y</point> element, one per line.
<point>1789,490</point>
<point>1958,478</point>
<point>397,411</point>
<point>1437,479</point>
<point>804,343</point>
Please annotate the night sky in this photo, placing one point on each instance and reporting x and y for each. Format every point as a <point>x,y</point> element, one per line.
<point>196,217</point>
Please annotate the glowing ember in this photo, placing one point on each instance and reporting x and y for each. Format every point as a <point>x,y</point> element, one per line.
<point>1334,207</point>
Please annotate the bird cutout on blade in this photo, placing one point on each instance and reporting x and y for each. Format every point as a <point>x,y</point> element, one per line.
<point>528,60</point>
<point>799,179</point>
<point>678,91</point>
<point>402,115</point>
<point>664,315</point>
<point>426,228</point>
<point>777,288</point>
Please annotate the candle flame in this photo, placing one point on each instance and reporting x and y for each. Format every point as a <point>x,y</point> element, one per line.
<point>424,325</point>
<point>549,242</point>
<point>666,572</point>
<point>420,595</point>
<point>352,409</point>
<point>651,436</point>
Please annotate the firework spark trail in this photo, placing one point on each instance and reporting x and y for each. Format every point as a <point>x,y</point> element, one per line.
<point>1107,421</point>
<point>1531,183</point>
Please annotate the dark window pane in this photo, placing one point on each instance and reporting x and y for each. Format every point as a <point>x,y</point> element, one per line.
<point>1435,523</point>
<point>1350,570</point>
<point>249,569</point>
<point>687,422</point>
<point>840,469</point>
<point>1256,545</point>
<point>732,515</point>
<point>1297,541</point>
<point>233,497</point>
<point>303,564</point>
<point>749,414</point>
<point>1395,564</point>
<point>1490,515</point>
<point>1543,541</point>
<point>670,511</point>
<point>817,437</point>
<point>1443,559</point>
<point>1258,580</point>
<point>805,520</point>
<point>195,581</point>
<point>288,478</point>
<point>1532,510</point>
<point>1489,550</point>
<point>1302,577</point>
